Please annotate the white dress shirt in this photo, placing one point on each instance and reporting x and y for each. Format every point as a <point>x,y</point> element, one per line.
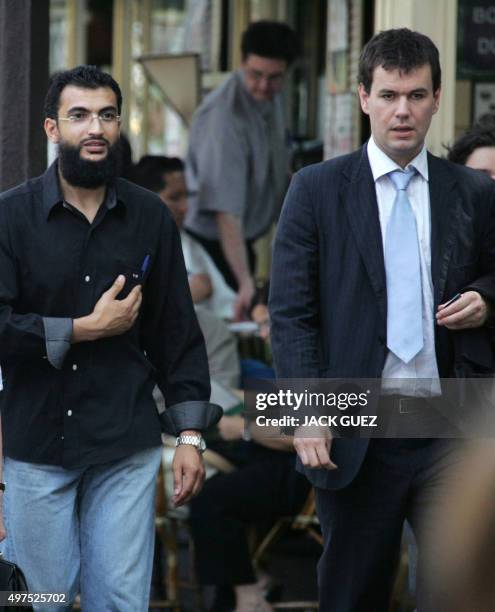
<point>197,260</point>
<point>422,371</point>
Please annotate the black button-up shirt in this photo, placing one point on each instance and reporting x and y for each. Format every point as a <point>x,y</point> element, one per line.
<point>91,402</point>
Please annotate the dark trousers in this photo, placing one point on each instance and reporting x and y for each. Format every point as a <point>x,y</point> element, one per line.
<point>362,523</point>
<point>215,251</point>
<point>264,489</point>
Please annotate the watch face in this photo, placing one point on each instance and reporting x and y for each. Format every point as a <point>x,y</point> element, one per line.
<point>202,445</point>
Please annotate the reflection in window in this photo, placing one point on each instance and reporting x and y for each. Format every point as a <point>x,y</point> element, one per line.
<point>167,26</point>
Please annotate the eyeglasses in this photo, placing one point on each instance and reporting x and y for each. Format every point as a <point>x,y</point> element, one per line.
<point>273,79</point>
<point>81,117</point>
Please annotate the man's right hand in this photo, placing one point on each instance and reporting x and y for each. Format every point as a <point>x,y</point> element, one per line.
<point>244,298</point>
<point>110,317</point>
<point>234,248</point>
<point>314,452</point>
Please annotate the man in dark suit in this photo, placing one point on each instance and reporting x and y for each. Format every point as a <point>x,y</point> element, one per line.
<point>370,248</point>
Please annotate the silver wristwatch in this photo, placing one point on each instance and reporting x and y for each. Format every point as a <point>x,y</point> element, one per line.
<point>196,441</point>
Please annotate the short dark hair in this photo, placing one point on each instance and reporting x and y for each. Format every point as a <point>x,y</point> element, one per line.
<point>473,139</point>
<point>86,77</point>
<point>150,170</point>
<point>271,39</point>
<point>400,49</point>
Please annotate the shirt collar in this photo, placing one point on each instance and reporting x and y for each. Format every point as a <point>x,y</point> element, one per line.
<point>52,193</point>
<point>381,164</point>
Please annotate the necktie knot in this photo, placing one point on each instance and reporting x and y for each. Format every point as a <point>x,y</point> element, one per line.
<point>401,178</point>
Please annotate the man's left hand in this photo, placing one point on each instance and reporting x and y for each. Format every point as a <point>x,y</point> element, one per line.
<point>469,311</point>
<point>189,473</point>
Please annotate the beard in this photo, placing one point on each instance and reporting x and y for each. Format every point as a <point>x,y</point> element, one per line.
<point>85,173</point>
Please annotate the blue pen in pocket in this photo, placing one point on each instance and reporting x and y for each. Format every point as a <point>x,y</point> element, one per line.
<point>145,265</point>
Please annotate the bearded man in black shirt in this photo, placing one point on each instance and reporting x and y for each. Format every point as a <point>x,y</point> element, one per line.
<point>95,310</point>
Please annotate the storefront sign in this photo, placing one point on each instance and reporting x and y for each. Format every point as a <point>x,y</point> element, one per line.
<point>476,42</point>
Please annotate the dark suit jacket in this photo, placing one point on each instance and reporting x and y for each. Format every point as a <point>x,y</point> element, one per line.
<point>328,297</point>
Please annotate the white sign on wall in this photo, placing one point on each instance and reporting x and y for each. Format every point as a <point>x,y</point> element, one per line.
<point>484,99</point>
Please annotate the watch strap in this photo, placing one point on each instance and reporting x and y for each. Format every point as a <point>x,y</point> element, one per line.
<point>193,440</point>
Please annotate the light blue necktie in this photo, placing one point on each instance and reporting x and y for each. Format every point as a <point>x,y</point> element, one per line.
<point>402,267</point>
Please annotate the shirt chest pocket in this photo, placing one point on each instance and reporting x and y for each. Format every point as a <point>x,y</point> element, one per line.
<point>135,271</point>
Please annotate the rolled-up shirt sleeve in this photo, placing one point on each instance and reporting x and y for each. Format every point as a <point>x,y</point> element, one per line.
<point>25,335</point>
<point>58,333</point>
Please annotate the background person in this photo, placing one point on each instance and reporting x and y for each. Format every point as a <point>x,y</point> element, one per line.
<point>263,488</point>
<point>238,158</point>
<point>476,148</point>
<point>166,177</point>
<point>212,297</point>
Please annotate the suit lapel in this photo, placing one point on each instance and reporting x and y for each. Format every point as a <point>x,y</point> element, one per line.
<point>445,210</point>
<point>362,211</point>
